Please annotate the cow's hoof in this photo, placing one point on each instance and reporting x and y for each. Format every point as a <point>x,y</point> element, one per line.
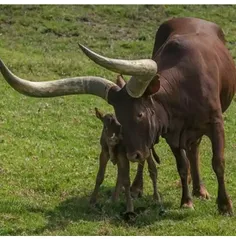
<point>225,207</point>
<point>201,193</point>
<point>188,205</point>
<point>178,184</point>
<point>129,216</point>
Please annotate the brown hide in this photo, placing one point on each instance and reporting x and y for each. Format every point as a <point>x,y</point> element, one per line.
<point>185,25</point>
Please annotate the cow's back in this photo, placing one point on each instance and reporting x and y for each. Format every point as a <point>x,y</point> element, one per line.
<point>197,78</point>
<point>185,25</point>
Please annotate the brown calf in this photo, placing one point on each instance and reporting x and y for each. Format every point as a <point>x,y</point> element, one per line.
<point>111,147</point>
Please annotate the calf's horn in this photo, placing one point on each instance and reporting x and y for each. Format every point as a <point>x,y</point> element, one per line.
<point>77,85</point>
<point>142,71</point>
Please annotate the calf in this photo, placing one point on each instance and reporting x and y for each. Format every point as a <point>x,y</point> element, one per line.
<point>112,147</point>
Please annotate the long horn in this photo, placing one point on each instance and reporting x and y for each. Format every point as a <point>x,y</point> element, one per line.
<point>77,85</point>
<point>142,71</point>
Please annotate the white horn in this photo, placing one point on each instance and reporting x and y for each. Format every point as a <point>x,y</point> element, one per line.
<point>142,71</point>
<point>77,85</point>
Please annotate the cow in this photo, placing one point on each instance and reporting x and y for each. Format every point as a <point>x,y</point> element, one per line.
<point>179,94</point>
<point>112,148</point>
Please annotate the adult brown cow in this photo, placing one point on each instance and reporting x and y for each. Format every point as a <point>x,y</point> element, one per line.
<point>180,95</point>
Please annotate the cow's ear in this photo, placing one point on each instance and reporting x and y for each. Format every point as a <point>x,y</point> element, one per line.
<point>120,81</point>
<point>153,87</point>
<point>99,114</point>
<point>112,95</point>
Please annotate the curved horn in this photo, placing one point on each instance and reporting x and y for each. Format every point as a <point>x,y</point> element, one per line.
<point>141,70</point>
<point>77,85</point>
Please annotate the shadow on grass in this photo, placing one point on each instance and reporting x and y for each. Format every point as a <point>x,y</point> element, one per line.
<point>78,209</point>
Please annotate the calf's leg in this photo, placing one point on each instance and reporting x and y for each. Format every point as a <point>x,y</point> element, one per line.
<point>103,159</point>
<point>119,184</point>
<point>123,164</point>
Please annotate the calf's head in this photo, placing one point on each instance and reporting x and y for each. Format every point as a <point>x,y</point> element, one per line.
<point>111,127</point>
<point>132,101</point>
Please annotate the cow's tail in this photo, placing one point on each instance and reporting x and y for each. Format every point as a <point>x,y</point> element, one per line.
<point>155,156</point>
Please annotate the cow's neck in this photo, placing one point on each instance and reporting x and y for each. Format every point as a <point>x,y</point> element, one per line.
<point>169,125</point>
<point>161,119</point>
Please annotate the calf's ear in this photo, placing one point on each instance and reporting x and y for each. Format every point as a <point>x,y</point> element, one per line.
<point>98,113</point>
<point>153,87</point>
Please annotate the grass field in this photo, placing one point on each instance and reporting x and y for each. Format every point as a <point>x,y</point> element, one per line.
<point>49,147</point>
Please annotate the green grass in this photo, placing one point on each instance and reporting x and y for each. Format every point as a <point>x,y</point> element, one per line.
<point>49,147</point>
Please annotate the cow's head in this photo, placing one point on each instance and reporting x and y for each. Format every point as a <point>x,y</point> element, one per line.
<point>132,102</point>
<point>137,117</point>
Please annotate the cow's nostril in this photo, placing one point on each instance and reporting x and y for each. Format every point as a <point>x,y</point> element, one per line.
<point>138,156</point>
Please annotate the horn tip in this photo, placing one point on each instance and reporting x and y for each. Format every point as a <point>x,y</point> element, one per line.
<point>82,47</point>
<point>1,62</point>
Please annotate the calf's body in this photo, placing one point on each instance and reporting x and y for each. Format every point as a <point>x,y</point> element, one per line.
<point>112,148</point>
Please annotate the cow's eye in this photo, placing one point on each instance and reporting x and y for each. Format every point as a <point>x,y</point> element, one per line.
<point>140,115</point>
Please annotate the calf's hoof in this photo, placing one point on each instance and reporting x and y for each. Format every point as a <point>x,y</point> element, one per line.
<point>136,192</point>
<point>114,198</point>
<point>225,207</point>
<point>129,216</point>
<point>162,211</point>
<point>201,193</point>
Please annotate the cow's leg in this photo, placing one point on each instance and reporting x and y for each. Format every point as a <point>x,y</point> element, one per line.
<point>179,184</point>
<point>153,175</point>
<point>199,189</point>
<point>182,166</point>
<point>103,159</point>
<point>137,185</point>
<point>216,135</point>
